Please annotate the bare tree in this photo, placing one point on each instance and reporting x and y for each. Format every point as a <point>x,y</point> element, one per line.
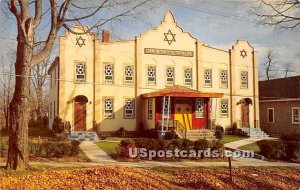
<point>288,67</point>
<point>269,63</point>
<point>39,75</point>
<point>62,14</point>
<point>283,14</point>
<point>6,83</point>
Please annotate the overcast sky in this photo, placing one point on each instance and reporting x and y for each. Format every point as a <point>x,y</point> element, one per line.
<point>218,23</point>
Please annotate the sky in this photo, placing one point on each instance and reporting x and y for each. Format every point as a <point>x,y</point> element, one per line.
<point>218,23</point>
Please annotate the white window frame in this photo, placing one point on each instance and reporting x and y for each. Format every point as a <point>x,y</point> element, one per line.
<point>126,115</point>
<point>126,81</point>
<point>76,74</point>
<point>170,81</point>
<point>223,83</point>
<point>105,111</point>
<point>186,80</point>
<point>273,115</point>
<point>199,113</point>
<point>244,84</point>
<point>151,82</point>
<point>293,115</point>
<point>106,79</point>
<point>224,115</point>
<point>205,80</point>
<point>150,109</point>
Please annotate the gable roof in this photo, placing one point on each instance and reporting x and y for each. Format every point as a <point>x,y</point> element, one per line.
<point>280,88</point>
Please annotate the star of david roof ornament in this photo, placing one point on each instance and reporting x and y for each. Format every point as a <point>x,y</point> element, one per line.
<point>169,37</point>
<point>243,53</point>
<point>80,41</point>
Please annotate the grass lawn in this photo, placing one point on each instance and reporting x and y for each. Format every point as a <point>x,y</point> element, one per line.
<point>252,146</point>
<point>231,138</point>
<point>109,148</point>
<point>116,138</point>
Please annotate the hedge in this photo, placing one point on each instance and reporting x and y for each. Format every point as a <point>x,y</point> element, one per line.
<point>174,144</point>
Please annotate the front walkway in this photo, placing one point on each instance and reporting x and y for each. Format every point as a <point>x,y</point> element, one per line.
<point>94,153</point>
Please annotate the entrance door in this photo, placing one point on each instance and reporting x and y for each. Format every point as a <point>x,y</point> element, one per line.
<point>183,115</point>
<point>245,115</point>
<point>79,116</point>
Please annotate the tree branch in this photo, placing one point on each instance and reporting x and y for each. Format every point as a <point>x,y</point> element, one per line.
<point>38,13</point>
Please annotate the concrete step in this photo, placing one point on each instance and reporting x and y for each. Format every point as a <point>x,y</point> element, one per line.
<point>196,134</point>
<point>254,132</point>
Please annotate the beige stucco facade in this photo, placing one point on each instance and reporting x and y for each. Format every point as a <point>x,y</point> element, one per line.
<point>163,47</point>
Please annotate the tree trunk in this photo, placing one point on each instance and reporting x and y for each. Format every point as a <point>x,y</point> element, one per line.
<point>19,108</point>
<point>39,94</point>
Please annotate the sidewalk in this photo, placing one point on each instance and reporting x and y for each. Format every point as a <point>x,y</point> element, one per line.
<point>237,144</point>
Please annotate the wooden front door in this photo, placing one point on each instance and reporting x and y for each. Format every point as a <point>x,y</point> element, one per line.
<point>79,116</point>
<point>245,115</point>
<point>183,115</point>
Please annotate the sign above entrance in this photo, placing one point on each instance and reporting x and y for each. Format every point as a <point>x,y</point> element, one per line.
<point>169,52</point>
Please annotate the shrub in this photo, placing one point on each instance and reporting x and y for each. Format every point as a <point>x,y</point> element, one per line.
<point>35,147</point>
<point>121,132</point>
<point>61,136</point>
<point>124,146</point>
<point>219,133</point>
<point>149,133</point>
<point>60,149</point>
<point>241,133</point>
<point>58,126</point>
<point>75,147</point>
<point>38,123</point>
<point>234,128</point>
<point>272,149</point>
<point>291,137</point>
<point>293,149</point>
<point>171,135</point>
<point>201,144</point>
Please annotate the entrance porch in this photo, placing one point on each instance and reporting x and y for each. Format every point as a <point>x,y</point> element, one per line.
<point>178,108</point>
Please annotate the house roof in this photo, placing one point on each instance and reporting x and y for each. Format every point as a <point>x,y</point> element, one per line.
<point>280,88</point>
<point>53,65</point>
<point>181,91</point>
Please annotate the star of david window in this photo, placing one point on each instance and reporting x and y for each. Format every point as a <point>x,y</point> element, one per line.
<point>109,108</point>
<point>169,37</point>
<point>151,75</point>
<point>80,41</point>
<point>224,108</point>
<point>80,72</point>
<point>129,74</point>
<point>208,77</point>
<point>129,109</point>
<point>188,76</point>
<point>150,116</point>
<point>224,78</point>
<point>199,108</point>
<point>108,73</point>
<point>170,76</point>
<point>244,79</point>
<point>243,53</point>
